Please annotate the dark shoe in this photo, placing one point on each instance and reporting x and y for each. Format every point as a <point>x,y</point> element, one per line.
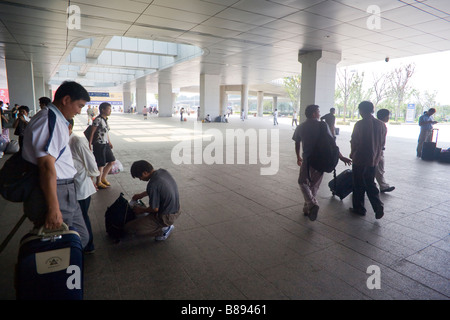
<point>387,190</point>
<point>358,212</point>
<point>313,212</point>
<point>379,213</point>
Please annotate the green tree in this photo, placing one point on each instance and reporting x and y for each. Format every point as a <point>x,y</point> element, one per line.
<point>344,82</point>
<point>380,88</point>
<point>399,79</point>
<point>293,85</point>
<point>358,93</point>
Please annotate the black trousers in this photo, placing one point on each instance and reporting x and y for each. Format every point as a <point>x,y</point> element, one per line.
<point>364,182</point>
<point>84,206</point>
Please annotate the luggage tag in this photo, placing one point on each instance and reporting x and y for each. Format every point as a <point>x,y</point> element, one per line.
<point>52,261</point>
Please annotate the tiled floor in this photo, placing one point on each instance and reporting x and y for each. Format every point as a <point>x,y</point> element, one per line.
<point>242,235</point>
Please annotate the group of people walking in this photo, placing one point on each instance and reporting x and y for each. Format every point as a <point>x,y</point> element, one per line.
<point>366,157</point>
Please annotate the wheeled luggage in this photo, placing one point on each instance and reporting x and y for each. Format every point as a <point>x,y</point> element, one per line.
<point>429,148</point>
<point>342,184</point>
<point>444,156</point>
<point>116,216</point>
<point>50,265</point>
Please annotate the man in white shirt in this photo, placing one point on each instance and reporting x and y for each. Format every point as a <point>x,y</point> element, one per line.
<point>46,145</point>
<point>294,118</point>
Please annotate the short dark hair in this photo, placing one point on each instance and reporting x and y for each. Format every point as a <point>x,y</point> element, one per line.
<point>366,107</point>
<point>44,100</point>
<point>24,108</point>
<point>432,110</point>
<point>382,113</point>
<point>72,89</point>
<point>310,110</point>
<point>139,167</point>
<point>103,106</point>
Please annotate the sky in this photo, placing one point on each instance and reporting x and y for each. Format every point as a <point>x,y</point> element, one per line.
<point>432,72</point>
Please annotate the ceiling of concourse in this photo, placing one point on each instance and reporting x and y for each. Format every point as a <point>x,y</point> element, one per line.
<point>243,41</point>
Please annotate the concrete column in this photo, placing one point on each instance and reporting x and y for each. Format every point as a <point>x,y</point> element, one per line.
<point>274,103</point>
<point>127,101</point>
<point>223,100</point>
<point>318,79</point>
<point>209,96</point>
<point>39,88</point>
<point>48,91</point>
<point>141,97</point>
<point>174,101</point>
<point>165,100</point>
<point>21,83</point>
<point>244,100</point>
<point>260,102</point>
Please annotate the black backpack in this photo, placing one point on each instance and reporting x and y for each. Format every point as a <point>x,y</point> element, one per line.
<point>116,216</point>
<point>19,179</point>
<point>325,155</point>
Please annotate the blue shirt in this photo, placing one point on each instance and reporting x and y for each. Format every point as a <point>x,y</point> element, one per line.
<point>425,122</point>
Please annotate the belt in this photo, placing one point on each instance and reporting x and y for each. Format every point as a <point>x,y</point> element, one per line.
<point>64,181</point>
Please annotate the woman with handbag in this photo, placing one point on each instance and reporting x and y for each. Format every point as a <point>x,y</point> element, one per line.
<point>101,145</point>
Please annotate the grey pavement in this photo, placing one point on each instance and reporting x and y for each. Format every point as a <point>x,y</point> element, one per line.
<point>243,236</point>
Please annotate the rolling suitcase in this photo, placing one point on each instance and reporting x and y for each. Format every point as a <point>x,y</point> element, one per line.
<point>429,148</point>
<point>342,185</point>
<point>50,265</point>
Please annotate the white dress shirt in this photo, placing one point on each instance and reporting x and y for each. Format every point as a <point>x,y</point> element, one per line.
<point>36,138</point>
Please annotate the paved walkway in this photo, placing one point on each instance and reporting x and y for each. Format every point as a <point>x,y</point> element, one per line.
<point>242,235</point>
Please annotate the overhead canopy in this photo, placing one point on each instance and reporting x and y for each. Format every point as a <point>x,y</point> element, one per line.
<point>243,41</point>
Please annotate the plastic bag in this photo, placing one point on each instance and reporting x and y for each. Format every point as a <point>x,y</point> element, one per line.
<point>12,147</point>
<point>116,168</point>
<point>3,144</point>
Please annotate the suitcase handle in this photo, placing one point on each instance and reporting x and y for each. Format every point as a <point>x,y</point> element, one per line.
<point>437,133</point>
<point>43,231</point>
<point>50,234</point>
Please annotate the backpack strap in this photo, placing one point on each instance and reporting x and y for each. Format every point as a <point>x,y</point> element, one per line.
<point>13,231</point>
<point>335,182</point>
<point>51,128</point>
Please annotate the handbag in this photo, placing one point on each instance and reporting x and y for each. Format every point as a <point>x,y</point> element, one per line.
<point>88,131</point>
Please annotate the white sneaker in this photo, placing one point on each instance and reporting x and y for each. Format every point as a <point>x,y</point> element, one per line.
<point>166,233</point>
